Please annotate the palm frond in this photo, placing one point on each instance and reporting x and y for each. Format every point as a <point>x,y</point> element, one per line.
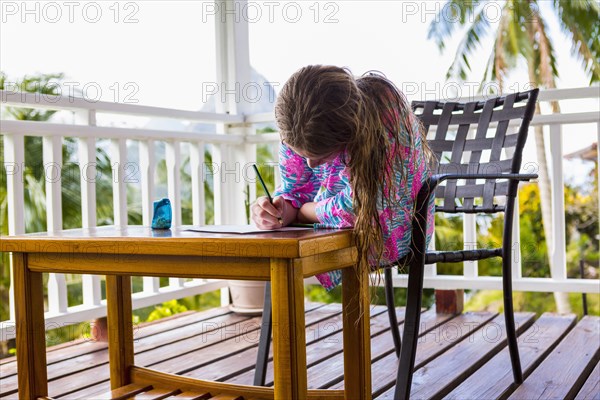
<point>478,29</point>
<point>453,14</point>
<point>580,20</point>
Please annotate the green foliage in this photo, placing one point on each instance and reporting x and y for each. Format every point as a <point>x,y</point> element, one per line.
<point>166,309</point>
<point>43,84</point>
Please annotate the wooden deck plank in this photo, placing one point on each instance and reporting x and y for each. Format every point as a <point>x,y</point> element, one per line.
<point>330,353</point>
<point>330,372</point>
<point>154,338</point>
<point>591,387</point>
<point>213,332</point>
<point>534,346</point>
<point>153,348</point>
<point>226,397</point>
<point>484,374</point>
<point>324,340</point>
<point>315,315</point>
<point>89,392</point>
<point>190,396</point>
<point>124,392</point>
<point>155,394</point>
<point>445,372</point>
<point>432,343</point>
<point>83,364</point>
<point>561,375</point>
<point>232,346</point>
<point>90,354</point>
<point>76,348</point>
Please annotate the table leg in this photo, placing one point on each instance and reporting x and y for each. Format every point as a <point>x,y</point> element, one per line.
<point>357,339</point>
<point>289,341</point>
<point>31,333</point>
<point>120,329</point>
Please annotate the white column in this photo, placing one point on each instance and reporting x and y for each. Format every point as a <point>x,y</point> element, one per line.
<point>233,72</point>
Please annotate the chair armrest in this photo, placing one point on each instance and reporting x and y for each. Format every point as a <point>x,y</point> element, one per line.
<point>514,177</point>
<point>427,190</point>
<point>433,181</point>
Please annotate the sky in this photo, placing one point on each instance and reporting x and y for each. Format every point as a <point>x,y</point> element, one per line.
<point>162,53</point>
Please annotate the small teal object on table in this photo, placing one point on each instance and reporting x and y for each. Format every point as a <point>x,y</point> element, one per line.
<point>162,214</point>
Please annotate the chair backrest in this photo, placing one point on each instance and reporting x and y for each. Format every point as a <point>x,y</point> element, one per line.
<point>476,137</point>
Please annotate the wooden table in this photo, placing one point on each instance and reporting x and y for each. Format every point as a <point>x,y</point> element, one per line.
<point>284,258</point>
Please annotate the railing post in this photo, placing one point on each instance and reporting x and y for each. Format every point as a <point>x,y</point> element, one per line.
<point>118,159</point>
<point>52,164</point>
<point>559,252</point>
<point>198,174</point>
<point>517,266</point>
<point>90,284</point>
<point>276,173</point>
<point>173,161</point>
<point>470,268</point>
<point>14,164</point>
<point>147,166</point>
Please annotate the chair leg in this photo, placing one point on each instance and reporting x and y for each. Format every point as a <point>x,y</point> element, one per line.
<point>389,300</point>
<point>509,317</point>
<point>262,358</point>
<point>410,338</point>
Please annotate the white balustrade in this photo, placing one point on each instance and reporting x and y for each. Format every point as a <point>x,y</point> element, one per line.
<point>233,147</point>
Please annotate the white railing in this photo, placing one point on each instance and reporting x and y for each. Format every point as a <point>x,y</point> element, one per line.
<point>87,132</point>
<point>233,134</point>
<point>470,278</point>
<point>559,282</point>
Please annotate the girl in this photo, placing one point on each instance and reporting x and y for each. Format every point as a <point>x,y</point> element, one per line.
<point>352,154</point>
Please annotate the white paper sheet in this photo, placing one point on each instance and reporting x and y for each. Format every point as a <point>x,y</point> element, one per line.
<point>243,229</point>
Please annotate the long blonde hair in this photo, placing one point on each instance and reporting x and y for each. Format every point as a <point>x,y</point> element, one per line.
<point>322,109</point>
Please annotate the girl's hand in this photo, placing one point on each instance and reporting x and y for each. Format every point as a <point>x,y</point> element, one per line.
<point>272,216</point>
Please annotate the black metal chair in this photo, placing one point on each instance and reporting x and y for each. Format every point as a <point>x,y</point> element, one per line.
<point>471,186</point>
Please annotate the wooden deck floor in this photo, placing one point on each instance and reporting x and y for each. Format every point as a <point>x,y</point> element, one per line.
<point>460,356</point>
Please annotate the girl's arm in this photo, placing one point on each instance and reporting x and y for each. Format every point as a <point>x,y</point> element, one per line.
<point>307,214</point>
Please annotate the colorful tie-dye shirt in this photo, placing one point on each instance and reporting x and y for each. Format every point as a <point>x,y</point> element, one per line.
<point>329,186</point>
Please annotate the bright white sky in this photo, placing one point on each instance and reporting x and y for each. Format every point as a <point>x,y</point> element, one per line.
<point>160,52</point>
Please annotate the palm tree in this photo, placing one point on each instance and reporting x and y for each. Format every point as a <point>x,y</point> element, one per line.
<point>521,34</point>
